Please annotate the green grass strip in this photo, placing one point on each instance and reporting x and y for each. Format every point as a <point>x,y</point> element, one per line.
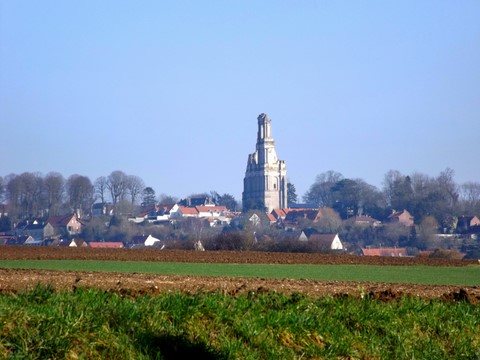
<point>94,324</point>
<point>428,275</point>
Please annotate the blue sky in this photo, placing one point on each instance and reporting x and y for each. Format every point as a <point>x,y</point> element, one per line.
<point>170,90</point>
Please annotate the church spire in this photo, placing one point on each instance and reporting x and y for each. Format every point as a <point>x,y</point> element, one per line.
<point>264,128</point>
<point>265,185</point>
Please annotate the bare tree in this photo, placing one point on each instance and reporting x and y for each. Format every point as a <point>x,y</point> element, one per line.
<point>167,199</point>
<point>448,187</point>
<point>13,196</point>
<point>101,188</point>
<point>80,194</point>
<point>426,233</point>
<point>2,189</point>
<point>134,186</point>
<point>320,193</point>
<point>116,184</point>
<point>24,195</point>
<point>54,188</point>
<point>470,197</point>
<point>398,190</point>
<point>328,221</point>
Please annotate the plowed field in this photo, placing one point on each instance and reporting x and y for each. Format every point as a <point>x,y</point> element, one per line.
<point>132,284</point>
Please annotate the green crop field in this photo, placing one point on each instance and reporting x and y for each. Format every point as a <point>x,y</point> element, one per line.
<point>93,324</point>
<point>425,275</point>
<point>44,323</point>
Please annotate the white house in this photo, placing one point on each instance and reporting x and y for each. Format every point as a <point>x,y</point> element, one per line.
<point>144,240</point>
<point>179,211</point>
<point>327,241</point>
<point>210,211</point>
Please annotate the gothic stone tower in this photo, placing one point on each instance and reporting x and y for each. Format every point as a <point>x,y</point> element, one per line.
<point>265,183</point>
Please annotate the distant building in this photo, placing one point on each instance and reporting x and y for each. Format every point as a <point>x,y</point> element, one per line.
<point>101,209</point>
<point>37,230</point>
<point>467,224</point>
<point>327,242</point>
<point>402,217</point>
<point>66,224</point>
<point>265,182</point>
<point>143,240</point>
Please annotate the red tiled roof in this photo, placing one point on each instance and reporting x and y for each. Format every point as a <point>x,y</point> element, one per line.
<point>279,213</point>
<point>188,210</point>
<point>271,217</point>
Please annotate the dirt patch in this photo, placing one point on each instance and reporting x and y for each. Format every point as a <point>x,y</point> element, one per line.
<point>238,257</point>
<point>14,280</point>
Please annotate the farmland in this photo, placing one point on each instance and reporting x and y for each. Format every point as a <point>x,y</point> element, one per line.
<point>156,271</point>
<point>93,303</point>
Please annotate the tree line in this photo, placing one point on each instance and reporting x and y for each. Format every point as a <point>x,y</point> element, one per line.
<point>31,195</point>
<point>422,195</point>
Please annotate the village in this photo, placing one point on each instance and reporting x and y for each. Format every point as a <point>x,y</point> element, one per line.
<point>413,216</point>
<point>198,223</point>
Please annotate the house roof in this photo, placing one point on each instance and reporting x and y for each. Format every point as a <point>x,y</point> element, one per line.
<point>155,210</point>
<point>271,217</point>
<point>164,207</point>
<point>397,214</point>
<point>12,240</point>
<point>218,208</point>
<point>324,241</point>
<point>60,221</point>
<point>279,213</point>
<point>188,210</point>
<point>31,227</point>
<point>20,240</point>
<point>384,252</point>
<point>309,232</point>
<point>67,243</point>
<point>468,220</point>
<point>295,214</point>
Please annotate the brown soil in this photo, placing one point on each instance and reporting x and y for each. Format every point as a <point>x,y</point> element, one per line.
<point>12,281</point>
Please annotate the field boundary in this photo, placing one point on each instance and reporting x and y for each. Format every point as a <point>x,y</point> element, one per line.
<point>414,274</point>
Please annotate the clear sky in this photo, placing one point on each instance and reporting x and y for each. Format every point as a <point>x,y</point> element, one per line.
<point>170,90</point>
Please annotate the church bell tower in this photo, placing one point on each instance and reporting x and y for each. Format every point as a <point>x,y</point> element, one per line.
<point>265,183</point>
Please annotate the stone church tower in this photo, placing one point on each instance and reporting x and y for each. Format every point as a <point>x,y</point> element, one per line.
<point>265,183</point>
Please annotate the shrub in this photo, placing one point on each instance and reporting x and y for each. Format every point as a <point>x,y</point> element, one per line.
<point>234,240</point>
<point>446,254</point>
